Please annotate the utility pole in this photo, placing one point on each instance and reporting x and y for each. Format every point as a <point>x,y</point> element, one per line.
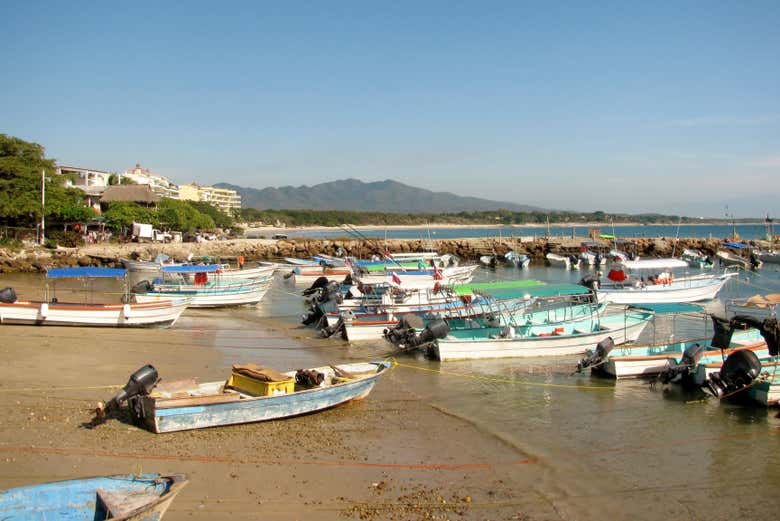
<point>43,202</point>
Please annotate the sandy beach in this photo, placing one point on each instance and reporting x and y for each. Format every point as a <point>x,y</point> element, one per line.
<point>390,456</point>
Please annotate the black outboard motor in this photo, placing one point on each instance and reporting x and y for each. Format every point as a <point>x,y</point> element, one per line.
<point>597,357</point>
<point>685,368</point>
<point>313,316</point>
<point>140,383</point>
<point>7,295</point>
<point>320,282</point>
<point>738,372</point>
<point>329,331</point>
<point>590,282</point>
<point>404,336</point>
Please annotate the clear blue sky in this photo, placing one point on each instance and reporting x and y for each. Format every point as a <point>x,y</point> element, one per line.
<point>617,106</point>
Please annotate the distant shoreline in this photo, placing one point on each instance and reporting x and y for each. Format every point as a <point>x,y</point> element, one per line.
<point>280,230</point>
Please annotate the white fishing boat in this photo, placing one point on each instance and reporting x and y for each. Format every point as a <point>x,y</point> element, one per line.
<point>563,261</point>
<point>760,307</point>
<point>153,266</point>
<point>257,271</point>
<point>420,279</point>
<point>652,281</point>
<point>520,260</point>
<point>770,256</point>
<point>567,338</point>
<point>203,293</point>
<point>52,312</point>
<point>696,259</point>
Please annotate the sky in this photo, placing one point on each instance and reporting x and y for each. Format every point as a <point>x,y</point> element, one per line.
<point>670,107</point>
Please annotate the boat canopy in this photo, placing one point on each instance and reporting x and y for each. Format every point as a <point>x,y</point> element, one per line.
<point>85,271</point>
<point>192,268</point>
<point>490,287</point>
<point>535,289</point>
<point>736,245</point>
<point>654,264</point>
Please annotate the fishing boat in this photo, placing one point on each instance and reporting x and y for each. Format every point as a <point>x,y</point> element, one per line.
<point>132,497</point>
<point>563,261</point>
<point>565,338</point>
<point>256,271</point>
<point>651,281</point>
<point>420,279</point>
<point>520,260</point>
<point>744,373</point>
<point>729,257</point>
<point>153,266</point>
<point>251,394</point>
<point>203,292</point>
<point>770,256</point>
<point>52,312</point>
<point>648,360</point>
<point>497,305</point>
<point>696,259</point>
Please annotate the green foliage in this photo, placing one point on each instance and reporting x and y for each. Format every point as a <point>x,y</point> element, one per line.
<point>220,218</point>
<point>121,214</point>
<point>169,215</point>
<point>498,217</point>
<point>21,164</point>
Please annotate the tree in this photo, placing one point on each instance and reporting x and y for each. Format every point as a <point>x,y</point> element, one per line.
<point>21,164</point>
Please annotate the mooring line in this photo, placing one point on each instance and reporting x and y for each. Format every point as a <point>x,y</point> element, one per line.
<point>508,380</point>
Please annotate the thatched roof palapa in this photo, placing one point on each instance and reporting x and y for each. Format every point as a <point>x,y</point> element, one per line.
<point>130,193</point>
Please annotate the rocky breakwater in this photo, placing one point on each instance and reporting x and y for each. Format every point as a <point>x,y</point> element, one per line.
<point>110,254</point>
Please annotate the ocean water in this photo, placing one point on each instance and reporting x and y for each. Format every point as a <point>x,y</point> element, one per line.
<point>745,231</point>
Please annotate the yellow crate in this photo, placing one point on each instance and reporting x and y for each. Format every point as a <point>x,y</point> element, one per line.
<point>256,387</point>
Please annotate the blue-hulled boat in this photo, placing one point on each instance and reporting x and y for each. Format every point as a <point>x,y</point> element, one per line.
<point>247,396</point>
<point>143,497</point>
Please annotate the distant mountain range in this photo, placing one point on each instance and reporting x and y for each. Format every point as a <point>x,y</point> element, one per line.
<point>355,195</point>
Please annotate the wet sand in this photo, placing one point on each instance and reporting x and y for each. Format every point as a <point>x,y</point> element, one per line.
<point>392,455</point>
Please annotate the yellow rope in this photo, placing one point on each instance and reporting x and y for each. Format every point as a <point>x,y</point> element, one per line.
<point>509,381</point>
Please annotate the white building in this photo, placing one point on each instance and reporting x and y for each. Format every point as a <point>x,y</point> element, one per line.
<point>223,198</point>
<point>92,182</point>
<point>160,185</point>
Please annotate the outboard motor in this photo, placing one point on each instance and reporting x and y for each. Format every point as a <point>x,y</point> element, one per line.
<point>140,383</point>
<point>7,295</point>
<point>738,372</point>
<point>684,369</point>
<point>320,282</point>
<point>590,282</point>
<point>314,315</point>
<point>329,331</point>
<point>404,336</point>
<point>597,357</point>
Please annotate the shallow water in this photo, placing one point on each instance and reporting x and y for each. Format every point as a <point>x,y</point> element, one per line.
<point>605,448</point>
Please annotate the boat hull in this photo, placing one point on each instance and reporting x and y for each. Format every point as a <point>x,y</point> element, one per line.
<point>163,313</point>
<point>144,497</point>
<point>213,297</point>
<point>691,289</point>
<point>180,415</point>
<point>535,346</point>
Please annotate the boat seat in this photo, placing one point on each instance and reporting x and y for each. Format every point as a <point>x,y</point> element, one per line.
<point>120,504</point>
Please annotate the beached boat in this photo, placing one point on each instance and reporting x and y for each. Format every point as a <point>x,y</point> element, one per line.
<point>251,394</point>
<point>258,271</point>
<point>52,312</point>
<point>760,307</point>
<point>203,293</point>
<point>133,497</point>
<point>652,281</point>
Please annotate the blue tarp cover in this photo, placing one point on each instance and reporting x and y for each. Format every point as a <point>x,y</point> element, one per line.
<point>87,271</point>
<point>188,268</point>
<point>670,308</point>
<point>736,245</point>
